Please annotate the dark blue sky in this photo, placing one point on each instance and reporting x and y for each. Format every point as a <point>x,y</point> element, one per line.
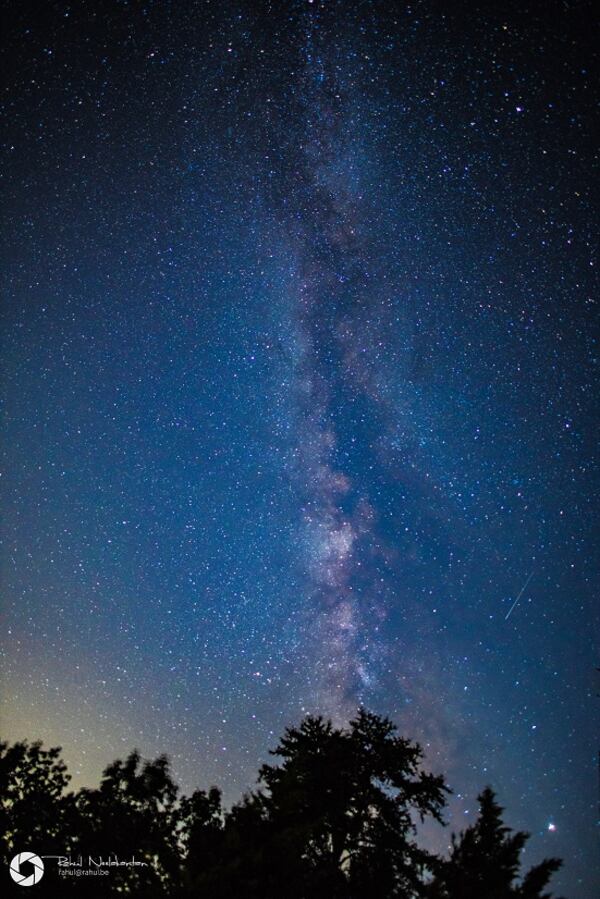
<point>299,384</point>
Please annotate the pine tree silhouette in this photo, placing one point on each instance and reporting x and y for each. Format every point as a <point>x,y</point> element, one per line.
<point>485,861</point>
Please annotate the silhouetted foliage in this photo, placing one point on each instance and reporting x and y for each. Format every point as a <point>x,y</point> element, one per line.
<point>340,806</point>
<point>336,818</point>
<point>133,813</point>
<point>484,862</point>
<point>33,807</point>
<point>200,835</point>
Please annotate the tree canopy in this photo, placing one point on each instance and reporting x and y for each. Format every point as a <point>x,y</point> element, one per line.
<point>485,861</point>
<point>336,816</point>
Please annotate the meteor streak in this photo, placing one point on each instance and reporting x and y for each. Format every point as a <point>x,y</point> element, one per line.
<point>521,592</point>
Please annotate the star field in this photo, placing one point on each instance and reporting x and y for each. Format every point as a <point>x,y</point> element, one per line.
<point>299,390</point>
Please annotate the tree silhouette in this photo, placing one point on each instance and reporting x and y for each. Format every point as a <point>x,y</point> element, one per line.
<point>33,808</point>
<point>484,862</point>
<point>334,818</point>
<point>248,863</point>
<point>201,839</point>
<point>133,814</point>
<point>339,809</point>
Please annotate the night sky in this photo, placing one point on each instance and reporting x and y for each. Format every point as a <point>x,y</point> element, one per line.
<point>299,381</point>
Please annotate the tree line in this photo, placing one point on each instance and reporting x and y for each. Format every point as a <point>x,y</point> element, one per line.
<point>335,818</point>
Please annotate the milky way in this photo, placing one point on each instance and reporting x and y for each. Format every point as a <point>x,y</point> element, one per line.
<point>299,384</point>
<point>320,213</point>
